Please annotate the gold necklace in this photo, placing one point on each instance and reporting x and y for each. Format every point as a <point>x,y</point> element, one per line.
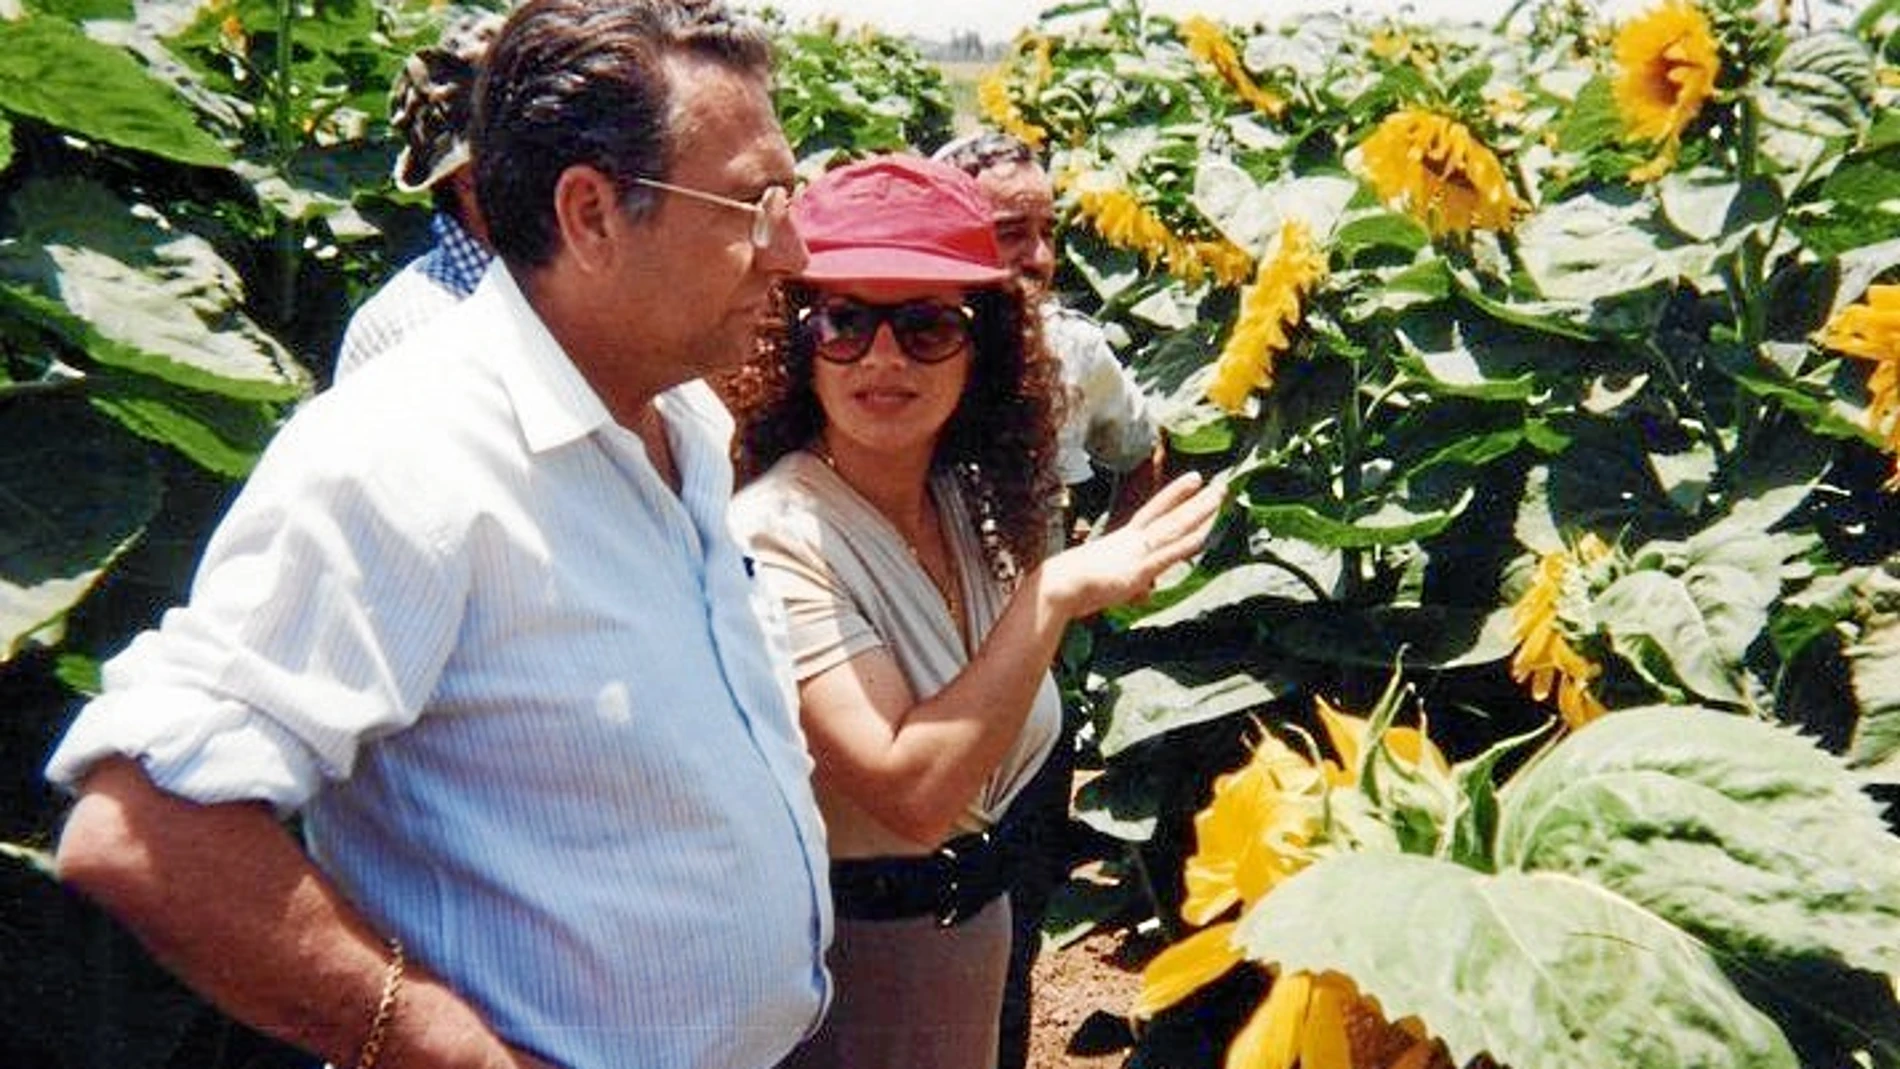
<point>946,584</point>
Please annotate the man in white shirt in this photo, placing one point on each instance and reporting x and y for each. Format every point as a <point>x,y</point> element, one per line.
<point>480,622</point>
<point>429,109</point>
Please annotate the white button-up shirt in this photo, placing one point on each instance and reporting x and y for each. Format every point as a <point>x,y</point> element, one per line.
<point>521,692</point>
<point>1106,418</point>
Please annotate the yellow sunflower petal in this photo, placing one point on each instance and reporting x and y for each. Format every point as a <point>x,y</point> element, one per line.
<point>1185,968</point>
<point>1271,1037</point>
<point>1325,1041</point>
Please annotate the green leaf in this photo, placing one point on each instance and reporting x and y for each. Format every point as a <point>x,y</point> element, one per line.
<point>1535,970</point>
<point>1437,636</point>
<point>1822,85</point>
<point>1739,831</point>
<point>137,295</point>
<point>220,434</point>
<point>1873,669</point>
<point>6,144</point>
<point>1389,525</point>
<point>87,10</point>
<point>1250,214</point>
<point>1860,200</point>
<point>1656,623</point>
<point>1706,205</point>
<point>1150,701</point>
<point>77,493</point>
<point>1602,244</point>
<point>1593,121</point>
<point>53,72</point>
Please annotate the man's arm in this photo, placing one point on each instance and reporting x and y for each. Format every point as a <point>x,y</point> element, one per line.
<point>225,899</point>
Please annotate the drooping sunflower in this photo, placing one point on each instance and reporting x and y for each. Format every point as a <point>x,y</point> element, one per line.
<point>1322,1022</point>
<point>1122,219</point>
<point>1252,835</point>
<point>1267,821</point>
<point>1436,170</point>
<point>1667,61</point>
<point>1230,264</point>
<point>1545,659</point>
<point>1870,329</point>
<point>1269,308</point>
<point>1207,42</point>
<point>993,100</point>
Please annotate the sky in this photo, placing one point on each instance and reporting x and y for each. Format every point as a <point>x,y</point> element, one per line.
<point>999,20</point>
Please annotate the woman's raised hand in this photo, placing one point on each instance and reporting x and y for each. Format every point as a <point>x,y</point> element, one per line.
<point>1123,564</point>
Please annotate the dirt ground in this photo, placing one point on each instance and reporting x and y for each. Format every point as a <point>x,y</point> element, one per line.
<point>1081,994</point>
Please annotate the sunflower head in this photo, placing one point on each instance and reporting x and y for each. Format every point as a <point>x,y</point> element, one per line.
<point>1870,329</point>
<point>1436,170</point>
<point>1545,660</point>
<point>1667,61</point>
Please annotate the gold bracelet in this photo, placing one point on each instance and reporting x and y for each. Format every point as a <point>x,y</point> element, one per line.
<point>385,1009</point>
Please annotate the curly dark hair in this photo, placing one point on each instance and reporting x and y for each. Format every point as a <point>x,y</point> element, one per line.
<point>1000,441</point>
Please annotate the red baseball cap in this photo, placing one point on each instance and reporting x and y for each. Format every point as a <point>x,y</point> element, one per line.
<point>898,219</point>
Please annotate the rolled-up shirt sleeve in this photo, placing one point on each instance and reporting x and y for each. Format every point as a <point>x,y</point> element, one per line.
<point>322,613</point>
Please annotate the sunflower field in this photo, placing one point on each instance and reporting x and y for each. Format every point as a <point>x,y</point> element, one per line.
<point>1537,703</point>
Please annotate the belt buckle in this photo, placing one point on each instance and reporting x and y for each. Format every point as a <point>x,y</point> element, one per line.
<point>950,905</point>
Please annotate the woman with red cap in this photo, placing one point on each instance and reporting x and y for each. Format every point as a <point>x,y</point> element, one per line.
<point>901,431</point>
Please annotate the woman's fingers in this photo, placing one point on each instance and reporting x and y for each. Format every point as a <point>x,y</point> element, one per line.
<point>1178,490</point>
<point>1180,529</point>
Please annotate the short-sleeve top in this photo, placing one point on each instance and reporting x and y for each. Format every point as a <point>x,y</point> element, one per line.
<point>849,583</point>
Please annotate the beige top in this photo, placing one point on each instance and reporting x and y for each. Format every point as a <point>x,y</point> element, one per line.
<point>849,583</point>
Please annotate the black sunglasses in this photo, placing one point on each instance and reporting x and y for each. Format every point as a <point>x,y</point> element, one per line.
<point>841,330</point>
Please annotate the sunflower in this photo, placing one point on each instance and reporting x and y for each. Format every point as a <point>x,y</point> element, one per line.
<point>1409,746</point>
<point>1322,1022</point>
<point>1208,43</point>
<point>1870,330</point>
<point>1123,220</point>
<point>1667,61</point>
<point>1544,656</point>
<point>993,100</point>
<point>1230,264</point>
<point>1268,310</point>
<point>1433,168</point>
<point>1251,836</point>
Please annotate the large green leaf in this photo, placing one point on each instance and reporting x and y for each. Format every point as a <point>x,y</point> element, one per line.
<point>1150,701</point>
<point>1535,970</point>
<point>137,295</point>
<point>1873,669</point>
<point>1599,245</point>
<point>1739,831</point>
<point>74,492</point>
<point>52,72</point>
<point>1821,85</point>
<point>1677,634</point>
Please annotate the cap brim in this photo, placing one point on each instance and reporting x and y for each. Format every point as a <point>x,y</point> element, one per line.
<point>453,160</point>
<point>897,265</point>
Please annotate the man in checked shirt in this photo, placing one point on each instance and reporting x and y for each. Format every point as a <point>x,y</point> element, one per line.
<point>429,108</point>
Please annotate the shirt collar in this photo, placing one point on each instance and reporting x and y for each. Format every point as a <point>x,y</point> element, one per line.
<point>552,399</point>
<point>456,259</point>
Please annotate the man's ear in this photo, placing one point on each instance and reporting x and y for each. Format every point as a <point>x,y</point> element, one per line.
<point>587,213</point>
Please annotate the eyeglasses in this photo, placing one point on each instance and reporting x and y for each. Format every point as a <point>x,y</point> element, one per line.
<point>841,330</point>
<point>773,208</point>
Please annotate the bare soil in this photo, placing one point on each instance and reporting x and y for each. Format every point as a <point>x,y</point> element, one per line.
<point>1081,996</point>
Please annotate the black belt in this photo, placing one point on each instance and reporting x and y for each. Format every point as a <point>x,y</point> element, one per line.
<point>952,884</point>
